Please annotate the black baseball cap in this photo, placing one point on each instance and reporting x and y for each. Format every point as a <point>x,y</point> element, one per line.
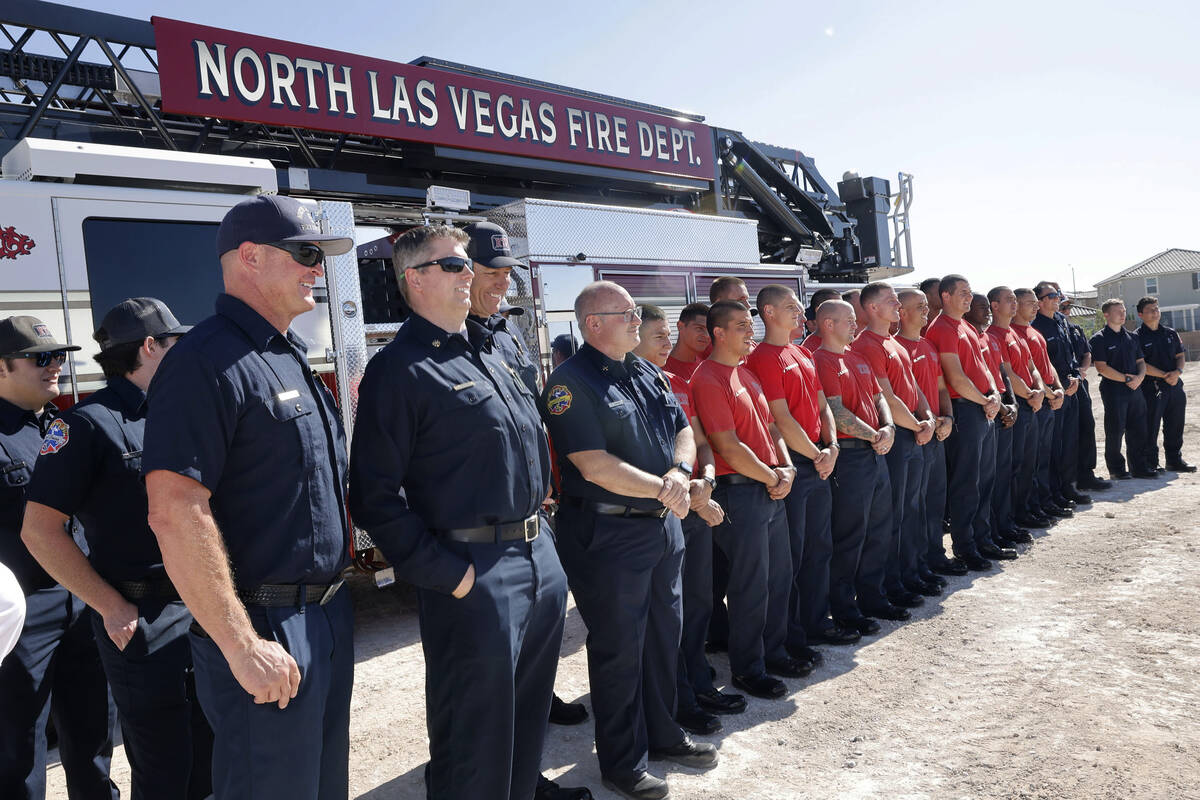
<point>489,246</point>
<point>270,218</point>
<point>508,308</point>
<point>134,319</point>
<point>21,335</point>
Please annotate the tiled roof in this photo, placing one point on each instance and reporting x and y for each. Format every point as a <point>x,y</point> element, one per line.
<point>1173,260</point>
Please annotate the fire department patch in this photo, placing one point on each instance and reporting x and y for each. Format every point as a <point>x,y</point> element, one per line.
<point>558,400</point>
<point>499,241</point>
<point>56,437</point>
<point>42,330</point>
<point>864,369</point>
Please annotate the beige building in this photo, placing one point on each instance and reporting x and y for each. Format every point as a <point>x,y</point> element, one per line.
<point>1173,276</point>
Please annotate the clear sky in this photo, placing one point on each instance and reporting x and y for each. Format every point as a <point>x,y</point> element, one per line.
<point>1041,135</point>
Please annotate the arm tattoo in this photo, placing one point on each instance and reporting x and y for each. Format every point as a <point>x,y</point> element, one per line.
<point>847,422</point>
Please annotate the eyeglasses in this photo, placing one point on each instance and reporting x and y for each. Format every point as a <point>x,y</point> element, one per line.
<point>1049,294</point>
<point>303,253</point>
<point>43,359</point>
<point>629,314</point>
<point>448,264</point>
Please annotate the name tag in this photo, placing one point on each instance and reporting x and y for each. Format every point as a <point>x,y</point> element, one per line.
<point>739,393</point>
<point>291,394</point>
<point>465,385</point>
<point>616,404</point>
<point>791,366</point>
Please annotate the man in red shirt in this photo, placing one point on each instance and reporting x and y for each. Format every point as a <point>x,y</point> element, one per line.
<point>892,367</point>
<point>812,343</point>
<point>698,699</point>
<point>1040,446</point>
<point>693,343</point>
<point>930,287</point>
<point>754,474</point>
<point>1018,372</point>
<point>793,392</point>
<point>914,317</point>
<point>862,513</point>
<point>976,402</point>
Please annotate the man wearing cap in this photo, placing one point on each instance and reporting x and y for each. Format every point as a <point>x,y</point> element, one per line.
<point>245,465</point>
<point>448,473</point>
<point>140,623</point>
<point>625,449</point>
<point>54,668</point>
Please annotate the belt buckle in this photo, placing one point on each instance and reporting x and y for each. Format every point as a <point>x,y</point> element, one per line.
<point>331,591</point>
<point>531,528</point>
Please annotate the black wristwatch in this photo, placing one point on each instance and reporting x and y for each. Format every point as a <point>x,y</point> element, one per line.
<point>712,482</point>
<point>683,467</point>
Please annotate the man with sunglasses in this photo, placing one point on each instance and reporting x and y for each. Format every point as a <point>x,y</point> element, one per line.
<point>140,624</point>
<point>245,465</point>
<point>625,449</point>
<point>54,668</point>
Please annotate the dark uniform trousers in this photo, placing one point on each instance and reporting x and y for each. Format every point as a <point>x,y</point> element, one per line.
<point>862,523</point>
<point>1064,456</point>
<point>1165,406</point>
<point>971,464</point>
<point>1002,489</point>
<point>755,538</point>
<point>262,752</point>
<point>1124,418</point>
<point>1040,448</point>
<point>54,670</point>
<point>491,659</point>
<point>624,573</point>
<point>1087,433</point>
<point>1023,459</point>
<point>904,463</point>
<point>694,675</point>
<point>983,527</point>
<point>808,505</point>
<point>167,739</point>
<point>933,502</point>
<point>718,623</point>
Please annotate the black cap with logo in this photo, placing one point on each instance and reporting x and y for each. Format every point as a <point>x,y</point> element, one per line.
<point>21,335</point>
<point>489,246</point>
<point>270,218</point>
<point>134,319</point>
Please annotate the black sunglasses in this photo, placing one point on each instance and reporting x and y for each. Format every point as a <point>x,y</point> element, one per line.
<point>1049,294</point>
<point>448,264</point>
<point>303,253</point>
<point>43,359</point>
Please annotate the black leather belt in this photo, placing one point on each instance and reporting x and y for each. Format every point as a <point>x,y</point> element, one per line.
<point>615,510</point>
<point>157,588</point>
<point>735,479</point>
<point>278,595</point>
<point>525,530</point>
<point>853,443</point>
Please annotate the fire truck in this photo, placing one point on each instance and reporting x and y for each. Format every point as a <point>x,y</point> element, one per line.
<point>124,142</point>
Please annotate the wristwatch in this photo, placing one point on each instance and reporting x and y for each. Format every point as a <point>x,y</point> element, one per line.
<point>712,482</point>
<point>684,467</point>
<point>1129,379</point>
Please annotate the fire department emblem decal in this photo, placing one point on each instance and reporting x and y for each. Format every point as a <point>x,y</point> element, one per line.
<point>13,244</point>
<point>56,437</point>
<point>558,400</point>
<point>499,241</point>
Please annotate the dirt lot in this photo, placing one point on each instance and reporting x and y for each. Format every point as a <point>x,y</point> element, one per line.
<point>1069,673</point>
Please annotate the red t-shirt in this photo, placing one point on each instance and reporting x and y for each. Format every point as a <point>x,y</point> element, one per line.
<point>993,355</point>
<point>1015,351</point>
<point>958,337</point>
<point>1037,349</point>
<point>787,372</point>
<point>927,367</point>
<point>849,377</point>
<point>683,393</point>
<point>731,399</point>
<point>812,343</point>
<point>683,369</point>
<point>889,360</point>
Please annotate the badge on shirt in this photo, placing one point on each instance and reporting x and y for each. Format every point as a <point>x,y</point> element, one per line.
<point>864,369</point>
<point>558,400</point>
<point>56,437</point>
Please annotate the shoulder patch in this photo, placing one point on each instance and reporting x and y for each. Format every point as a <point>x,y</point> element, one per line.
<point>56,438</point>
<point>558,399</point>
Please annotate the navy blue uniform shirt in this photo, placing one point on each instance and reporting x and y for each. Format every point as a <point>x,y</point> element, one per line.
<point>21,435</point>
<point>1079,342</point>
<point>1160,346</point>
<point>1120,350</point>
<point>626,408</point>
<point>447,436</point>
<point>506,338</point>
<point>1058,344</point>
<point>235,406</point>
<point>95,474</point>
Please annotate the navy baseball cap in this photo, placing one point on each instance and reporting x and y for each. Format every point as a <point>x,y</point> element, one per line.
<point>270,218</point>
<point>489,246</point>
<point>134,319</point>
<point>22,335</point>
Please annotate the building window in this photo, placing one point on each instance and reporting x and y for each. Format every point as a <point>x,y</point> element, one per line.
<point>1195,281</point>
<point>1167,319</point>
<point>1151,285</point>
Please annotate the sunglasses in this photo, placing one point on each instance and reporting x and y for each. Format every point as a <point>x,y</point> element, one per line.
<point>303,253</point>
<point>1049,294</point>
<point>629,314</point>
<point>448,264</point>
<point>43,359</point>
